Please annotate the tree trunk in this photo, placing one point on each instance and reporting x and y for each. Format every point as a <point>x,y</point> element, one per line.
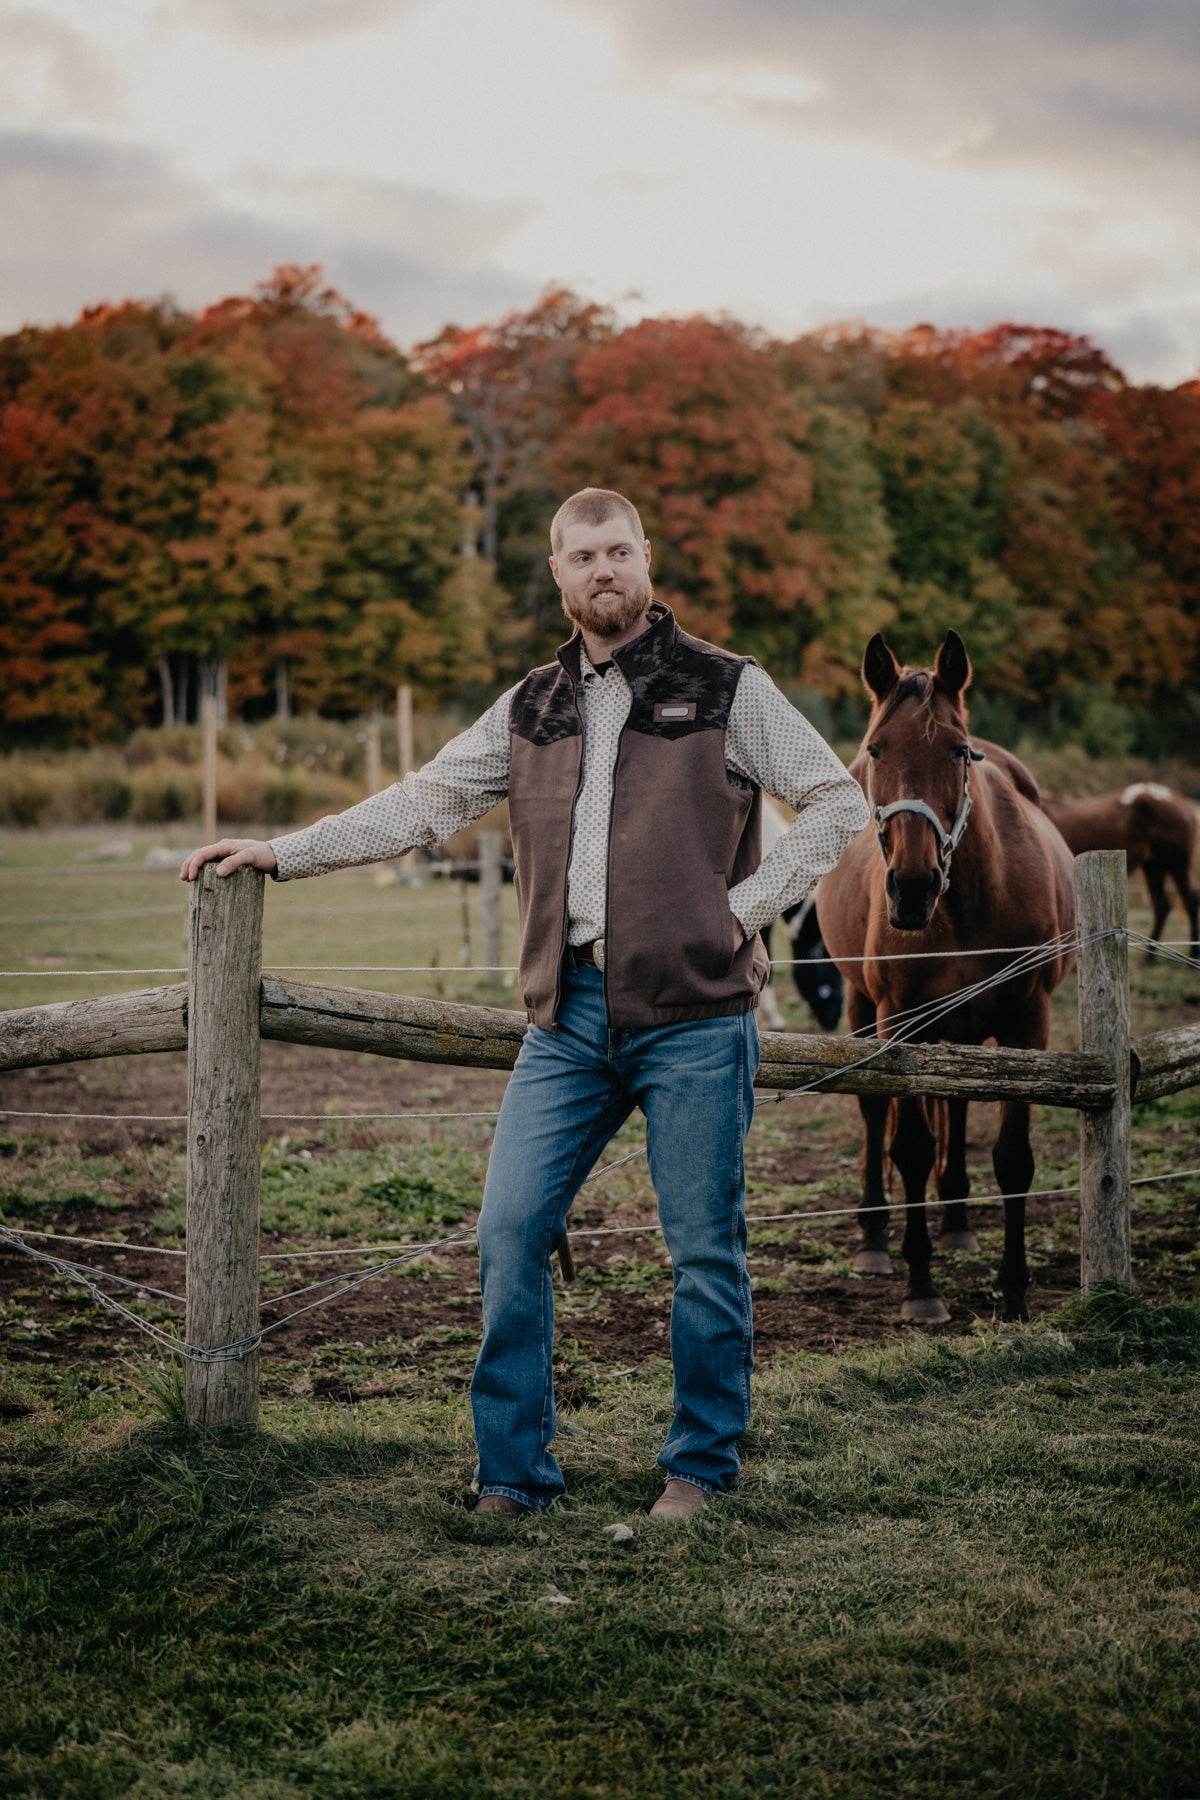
<point>283,689</point>
<point>168,691</point>
<point>182,669</point>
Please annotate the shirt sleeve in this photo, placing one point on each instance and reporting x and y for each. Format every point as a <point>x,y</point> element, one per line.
<point>467,777</point>
<point>773,745</point>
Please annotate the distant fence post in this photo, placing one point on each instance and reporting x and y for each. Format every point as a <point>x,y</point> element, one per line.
<point>208,760</point>
<point>489,887</point>
<point>1104,1224</point>
<point>374,755</point>
<point>223,1142</point>
<point>404,730</point>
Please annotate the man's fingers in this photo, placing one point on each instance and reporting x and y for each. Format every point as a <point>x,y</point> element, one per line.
<point>193,864</point>
<point>229,854</point>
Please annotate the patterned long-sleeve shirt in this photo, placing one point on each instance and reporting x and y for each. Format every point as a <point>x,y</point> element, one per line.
<point>767,743</point>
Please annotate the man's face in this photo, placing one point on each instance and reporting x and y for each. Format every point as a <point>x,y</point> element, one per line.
<point>602,573</point>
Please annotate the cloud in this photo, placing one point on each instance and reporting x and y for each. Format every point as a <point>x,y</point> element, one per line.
<point>1094,87</point>
<point>82,221</point>
<point>290,20</point>
<point>48,67</point>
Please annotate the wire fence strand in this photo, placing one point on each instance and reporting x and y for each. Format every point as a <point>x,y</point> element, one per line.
<point>904,1028</point>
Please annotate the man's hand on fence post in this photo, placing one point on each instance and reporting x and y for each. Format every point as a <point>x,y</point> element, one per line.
<point>234,853</point>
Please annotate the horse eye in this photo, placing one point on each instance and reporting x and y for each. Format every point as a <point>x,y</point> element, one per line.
<point>873,750</point>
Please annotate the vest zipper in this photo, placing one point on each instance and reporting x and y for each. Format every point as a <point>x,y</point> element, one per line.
<point>562,942</point>
<point>612,800</point>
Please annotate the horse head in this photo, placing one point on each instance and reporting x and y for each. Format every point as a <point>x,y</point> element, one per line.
<point>917,774</point>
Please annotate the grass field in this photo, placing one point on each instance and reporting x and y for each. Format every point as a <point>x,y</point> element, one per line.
<point>959,1564</point>
<point>108,901</point>
<point>952,1567</point>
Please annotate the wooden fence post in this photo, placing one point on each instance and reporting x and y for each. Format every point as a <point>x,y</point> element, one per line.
<point>1104,1225</point>
<point>223,1142</point>
<point>489,888</point>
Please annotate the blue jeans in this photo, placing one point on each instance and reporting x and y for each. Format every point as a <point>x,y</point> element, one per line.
<point>568,1094</point>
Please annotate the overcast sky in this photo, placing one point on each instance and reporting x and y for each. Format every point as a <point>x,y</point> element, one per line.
<point>792,162</point>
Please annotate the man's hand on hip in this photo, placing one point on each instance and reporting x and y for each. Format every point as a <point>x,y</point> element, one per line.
<point>230,854</point>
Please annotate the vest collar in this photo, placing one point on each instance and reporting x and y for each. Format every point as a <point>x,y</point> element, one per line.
<point>641,652</point>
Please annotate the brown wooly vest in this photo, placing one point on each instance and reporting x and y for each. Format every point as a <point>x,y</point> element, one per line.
<point>682,832</point>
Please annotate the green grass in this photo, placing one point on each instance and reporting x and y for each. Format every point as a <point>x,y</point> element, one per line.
<point>61,907</point>
<point>957,1566</point>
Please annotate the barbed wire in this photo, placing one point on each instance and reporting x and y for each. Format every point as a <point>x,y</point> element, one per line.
<point>1168,952</point>
<point>917,1019</point>
<point>913,1021</point>
<point>62,974</point>
<point>17,1112</point>
<point>343,1284</point>
<point>595,1231</point>
<point>1065,942</point>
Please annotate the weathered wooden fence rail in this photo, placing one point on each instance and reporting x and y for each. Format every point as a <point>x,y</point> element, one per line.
<point>227,1005</point>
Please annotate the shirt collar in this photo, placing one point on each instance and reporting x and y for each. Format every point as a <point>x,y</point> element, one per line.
<point>641,651</point>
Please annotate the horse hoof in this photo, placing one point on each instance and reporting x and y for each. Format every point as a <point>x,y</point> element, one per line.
<point>872,1262</point>
<point>960,1240</point>
<point>924,1312</point>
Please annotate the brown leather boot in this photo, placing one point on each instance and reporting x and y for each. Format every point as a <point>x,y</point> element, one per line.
<point>679,1500</point>
<point>500,1505</point>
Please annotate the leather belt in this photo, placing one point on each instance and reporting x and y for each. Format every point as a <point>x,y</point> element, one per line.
<point>590,953</point>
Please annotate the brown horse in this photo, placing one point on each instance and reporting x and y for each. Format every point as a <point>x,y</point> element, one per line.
<point>1156,829</point>
<point>893,893</point>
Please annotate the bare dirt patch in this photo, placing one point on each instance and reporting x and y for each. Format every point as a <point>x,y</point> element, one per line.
<point>615,1316</point>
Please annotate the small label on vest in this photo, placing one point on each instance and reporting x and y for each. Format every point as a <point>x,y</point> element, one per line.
<point>666,713</point>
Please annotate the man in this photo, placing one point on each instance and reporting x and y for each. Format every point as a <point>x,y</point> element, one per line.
<point>633,766</point>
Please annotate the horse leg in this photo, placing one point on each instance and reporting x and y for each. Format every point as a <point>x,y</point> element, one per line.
<point>1190,901</point>
<point>1156,881</point>
<point>912,1151</point>
<point>954,1184</point>
<point>1012,1159</point>
<point>872,1257</point>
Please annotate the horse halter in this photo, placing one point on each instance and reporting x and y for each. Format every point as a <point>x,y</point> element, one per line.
<point>947,841</point>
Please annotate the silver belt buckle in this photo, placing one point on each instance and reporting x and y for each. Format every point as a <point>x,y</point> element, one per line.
<point>598,954</point>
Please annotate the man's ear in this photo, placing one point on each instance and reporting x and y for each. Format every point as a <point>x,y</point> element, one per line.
<point>554,571</point>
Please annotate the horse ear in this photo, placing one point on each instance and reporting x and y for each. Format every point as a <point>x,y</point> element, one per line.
<point>880,670</point>
<point>952,669</point>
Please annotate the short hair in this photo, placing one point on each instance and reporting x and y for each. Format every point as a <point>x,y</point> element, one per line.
<point>591,506</point>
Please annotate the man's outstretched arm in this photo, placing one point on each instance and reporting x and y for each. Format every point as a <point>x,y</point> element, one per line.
<point>462,782</point>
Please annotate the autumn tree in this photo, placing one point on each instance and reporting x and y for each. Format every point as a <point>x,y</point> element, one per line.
<point>692,421</point>
<point>1153,437</point>
<point>511,386</point>
<point>51,673</point>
